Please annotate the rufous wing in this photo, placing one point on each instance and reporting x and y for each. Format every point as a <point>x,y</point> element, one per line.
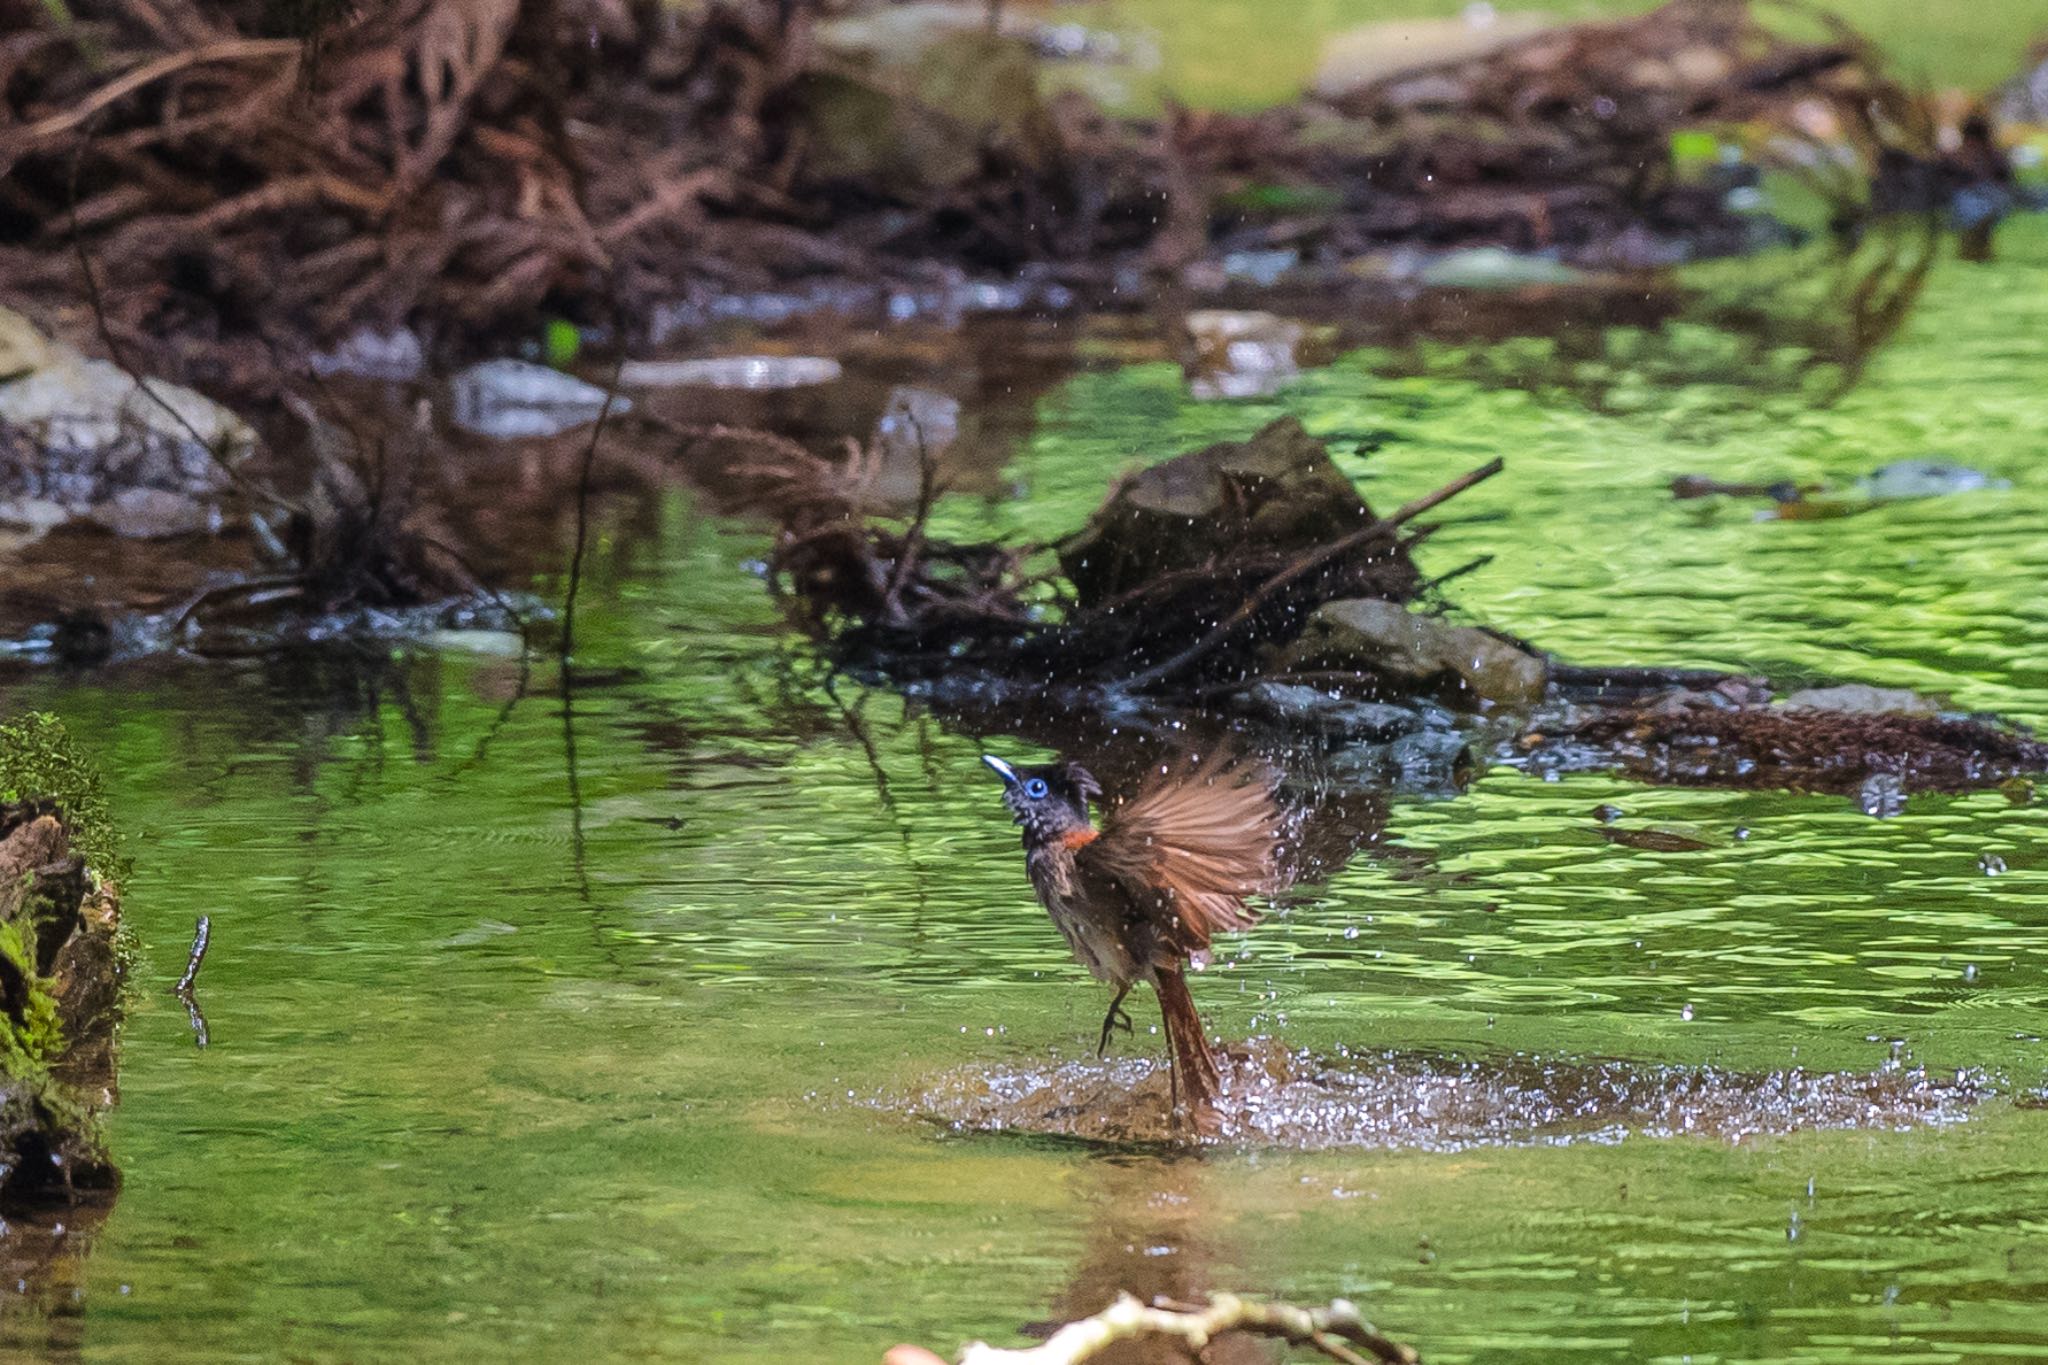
<point>1205,839</point>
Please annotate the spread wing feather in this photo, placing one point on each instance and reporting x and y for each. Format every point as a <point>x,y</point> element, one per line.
<point>1206,839</point>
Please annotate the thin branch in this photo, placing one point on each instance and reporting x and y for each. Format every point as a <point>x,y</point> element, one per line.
<point>1307,564</point>
<point>1333,1331</point>
<point>234,50</point>
<point>604,413</point>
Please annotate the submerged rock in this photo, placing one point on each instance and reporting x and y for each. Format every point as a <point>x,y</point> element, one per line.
<point>1924,479</point>
<point>511,399</point>
<point>1460,663</point>
<point>1276,495</point>
<point>80,439</point>
<point>1861,697</point>
<point>1318,712</point>
<point>1242,354</point>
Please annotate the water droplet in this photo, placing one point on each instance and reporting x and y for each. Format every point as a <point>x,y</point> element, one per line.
<point>1792,1227</point>
<point>1607,814</point>
<point>1969,971</point>
<point>1739,833</point>
<point>1686,1013</point>
<point>1990,864</point>
<point>1351,931</point>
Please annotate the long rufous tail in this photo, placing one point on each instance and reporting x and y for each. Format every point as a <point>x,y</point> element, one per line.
<point>1196,1082</point>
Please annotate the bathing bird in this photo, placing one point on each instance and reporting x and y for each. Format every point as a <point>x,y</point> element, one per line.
<point>1138,896</point>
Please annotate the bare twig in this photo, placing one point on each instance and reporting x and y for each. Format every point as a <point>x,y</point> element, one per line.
<point>1308,564</point>
<point>1333,1331</point>
<point>611,392</point>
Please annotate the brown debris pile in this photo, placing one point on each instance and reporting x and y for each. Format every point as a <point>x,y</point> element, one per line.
<point>1700,739</point>
<point>471,164</point>
<point>1561,136</point>
<point>1251,576</point>
<point>1191,573</point>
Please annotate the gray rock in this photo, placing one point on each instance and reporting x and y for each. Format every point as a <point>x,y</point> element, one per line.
<point>78,433</point>
<point>154,514</point>
<point>1425,763</point>
<point>756,372</point>
<point>510,399</point>
<point>916,424</point>
<point>1861,697</point>
<point>1385,638</point>
<point>395,355</point>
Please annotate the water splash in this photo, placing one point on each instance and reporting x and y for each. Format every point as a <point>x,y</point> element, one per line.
<point>1282,1097</point>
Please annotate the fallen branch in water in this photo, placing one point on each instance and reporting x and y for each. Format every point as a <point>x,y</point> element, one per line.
<point>1333,1331</point>
<point>1364,535</point>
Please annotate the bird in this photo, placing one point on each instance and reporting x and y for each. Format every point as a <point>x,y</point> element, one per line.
<point>1139,895</point>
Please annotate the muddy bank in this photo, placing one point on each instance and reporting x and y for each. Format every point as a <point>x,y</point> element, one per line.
<point>249,189</point>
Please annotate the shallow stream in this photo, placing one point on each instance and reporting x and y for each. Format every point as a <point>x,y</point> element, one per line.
<point>594,1032</point>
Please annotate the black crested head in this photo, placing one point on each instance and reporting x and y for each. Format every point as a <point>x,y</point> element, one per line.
<point>1050,800</point>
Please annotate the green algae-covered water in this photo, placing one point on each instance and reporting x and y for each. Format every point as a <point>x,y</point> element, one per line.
<point>579,1035</point>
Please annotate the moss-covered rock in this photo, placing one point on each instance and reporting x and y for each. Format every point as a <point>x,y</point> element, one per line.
<point>59,968</point>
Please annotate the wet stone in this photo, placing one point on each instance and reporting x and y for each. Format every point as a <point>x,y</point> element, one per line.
<point>1426,763</point>
<point>1312,710</point>
<point>751,372</point>
<point>1385,638</point>
<point>1860,697</point>
<point>80,438</point>
<point>367,353</point>
<point>512,399</point>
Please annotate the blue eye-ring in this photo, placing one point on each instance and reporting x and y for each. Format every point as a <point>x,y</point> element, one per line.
<point>1036,789</point>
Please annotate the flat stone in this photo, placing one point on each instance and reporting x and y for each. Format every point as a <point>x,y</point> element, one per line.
<point>1374,53</point>
<point>510,399</point>
<point>1861,697</point>
<point>751,372</point>
<point>1384,638</point>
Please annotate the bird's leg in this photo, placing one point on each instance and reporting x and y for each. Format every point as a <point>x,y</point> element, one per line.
<point>1116,1018</point>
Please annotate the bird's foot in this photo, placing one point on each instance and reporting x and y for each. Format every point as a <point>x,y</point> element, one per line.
<point>1117,1018</point>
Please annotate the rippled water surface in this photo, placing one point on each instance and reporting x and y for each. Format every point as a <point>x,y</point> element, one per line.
<point>598,1032</point>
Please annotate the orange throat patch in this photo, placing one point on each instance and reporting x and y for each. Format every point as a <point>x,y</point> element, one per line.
<point>1079,838</point>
